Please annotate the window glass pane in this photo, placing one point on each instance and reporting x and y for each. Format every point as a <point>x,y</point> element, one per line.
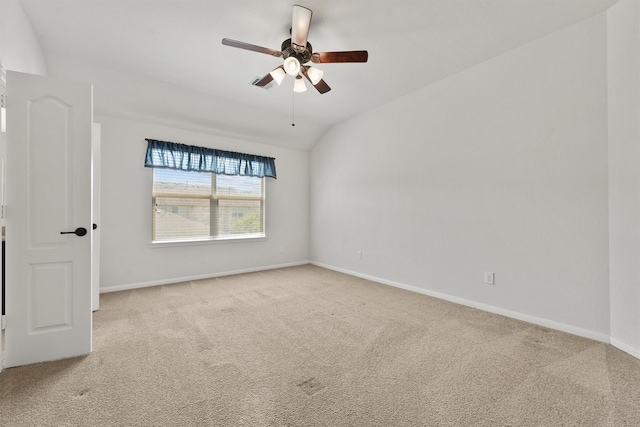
<point>175,181</point>
<point>239,216</point>
<point>185,208</point>
<point>180,218</point>
<point>238,186</point>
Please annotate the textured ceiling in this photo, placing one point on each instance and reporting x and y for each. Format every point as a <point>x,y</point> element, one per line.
<point>163,61</point>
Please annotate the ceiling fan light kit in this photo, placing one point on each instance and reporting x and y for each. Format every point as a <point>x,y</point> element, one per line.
<point>278,74</point>
<point>298,85</point>
<point>315,75</point>
<point>292,66</point>
<point>297,51</point>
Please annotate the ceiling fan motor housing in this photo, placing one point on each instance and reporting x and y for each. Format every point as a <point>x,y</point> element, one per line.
<point>302,54</point>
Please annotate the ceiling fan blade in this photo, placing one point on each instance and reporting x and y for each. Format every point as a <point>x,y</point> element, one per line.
<point>264,81</point>
<point>300,25</point>
<point>347,56</point>
<point>321,86</point>
<point>253,47</point>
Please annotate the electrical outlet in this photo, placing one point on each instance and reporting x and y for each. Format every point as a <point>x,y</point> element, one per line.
<point>281,248</point>
<point>359,254</point>
<point>489,278</point>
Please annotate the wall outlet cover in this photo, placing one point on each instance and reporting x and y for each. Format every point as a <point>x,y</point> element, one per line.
<point>489,278</point>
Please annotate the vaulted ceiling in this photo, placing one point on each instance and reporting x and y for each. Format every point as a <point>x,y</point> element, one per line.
<point>163,60</point>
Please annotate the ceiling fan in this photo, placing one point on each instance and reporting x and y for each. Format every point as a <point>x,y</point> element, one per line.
<point>297,52</point>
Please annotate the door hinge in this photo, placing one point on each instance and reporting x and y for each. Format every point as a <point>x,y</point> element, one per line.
<point>2,211</point>
<point>3,322</point>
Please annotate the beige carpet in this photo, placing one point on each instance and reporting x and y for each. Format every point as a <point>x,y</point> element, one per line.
<point>306,346</point>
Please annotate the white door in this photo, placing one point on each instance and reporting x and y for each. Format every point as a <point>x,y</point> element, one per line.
<point>48,192</point>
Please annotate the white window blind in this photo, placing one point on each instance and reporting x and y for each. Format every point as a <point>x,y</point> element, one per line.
<point>191,205</point>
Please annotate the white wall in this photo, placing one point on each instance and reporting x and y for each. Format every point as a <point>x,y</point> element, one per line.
<point>127,260</point>
<point>19,46</point>
<point>502,168</point>
<point>624,173</point>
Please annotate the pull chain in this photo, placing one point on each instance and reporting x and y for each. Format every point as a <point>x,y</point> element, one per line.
<point>293,108</point>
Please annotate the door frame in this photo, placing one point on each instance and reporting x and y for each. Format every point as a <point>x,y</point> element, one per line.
<point>3,144</point>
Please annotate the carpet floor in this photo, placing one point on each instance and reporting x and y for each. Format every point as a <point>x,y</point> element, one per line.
<point>306,346</point>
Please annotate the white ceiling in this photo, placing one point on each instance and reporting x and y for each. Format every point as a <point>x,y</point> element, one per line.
<point>163,61</point>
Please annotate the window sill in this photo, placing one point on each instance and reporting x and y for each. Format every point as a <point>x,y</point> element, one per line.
<point>209,241</point>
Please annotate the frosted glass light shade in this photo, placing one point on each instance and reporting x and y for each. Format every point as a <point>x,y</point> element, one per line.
<point>300,24</point>
<point>298,85</point>
<point>315,75</point>
<point>292,66</point>
<point>278,75</point>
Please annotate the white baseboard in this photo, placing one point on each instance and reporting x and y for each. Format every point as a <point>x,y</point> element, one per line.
<point>129,286</point>
<point>574,330</point>
<point>635,352</point>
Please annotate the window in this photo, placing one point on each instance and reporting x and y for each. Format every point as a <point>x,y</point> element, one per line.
<point>202,193</point>
<point>190,205</point>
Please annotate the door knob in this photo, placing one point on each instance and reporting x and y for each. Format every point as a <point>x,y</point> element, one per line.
<point>80,231</point>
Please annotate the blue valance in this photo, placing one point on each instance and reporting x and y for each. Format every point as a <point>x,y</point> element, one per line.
<point>171,155</point>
